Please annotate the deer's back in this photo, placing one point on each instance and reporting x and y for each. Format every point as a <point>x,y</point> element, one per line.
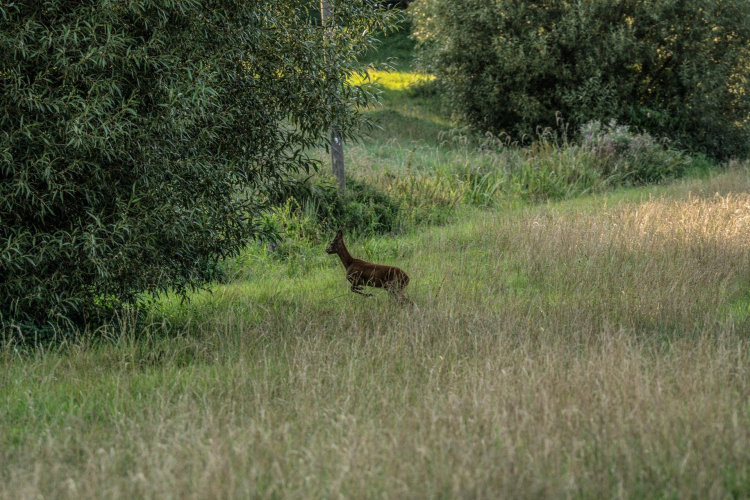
<point>365,273</point>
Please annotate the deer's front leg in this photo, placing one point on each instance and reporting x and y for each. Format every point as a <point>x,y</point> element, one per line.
<point>355,280</point>
<point>358,289</point>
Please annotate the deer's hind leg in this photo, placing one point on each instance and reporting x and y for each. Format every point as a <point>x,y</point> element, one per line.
<point>402,299</point>
<point>396,289</point>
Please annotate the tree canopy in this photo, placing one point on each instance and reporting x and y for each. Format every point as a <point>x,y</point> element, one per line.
<point>675,68</point>
<point>141,139</point>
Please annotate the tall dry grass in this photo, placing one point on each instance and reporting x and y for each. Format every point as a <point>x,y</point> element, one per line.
<point>586,351</point>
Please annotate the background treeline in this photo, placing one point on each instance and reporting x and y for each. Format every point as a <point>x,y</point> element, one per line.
<point>674,68</point>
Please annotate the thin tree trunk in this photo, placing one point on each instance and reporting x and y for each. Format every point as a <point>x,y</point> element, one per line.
<point>337,140</point>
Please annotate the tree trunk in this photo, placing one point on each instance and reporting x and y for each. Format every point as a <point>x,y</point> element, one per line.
<point>337,140</point>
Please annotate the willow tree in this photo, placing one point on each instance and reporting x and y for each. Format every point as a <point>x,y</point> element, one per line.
<point>141,139</point>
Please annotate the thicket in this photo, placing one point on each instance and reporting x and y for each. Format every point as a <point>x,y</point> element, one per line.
<point>141,140</point>
<point>313,209</point>
<point>673,68</point>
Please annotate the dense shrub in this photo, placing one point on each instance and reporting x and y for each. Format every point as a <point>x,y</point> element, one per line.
<point>628,157</point>
<point>495,170</point>
<point>314,208</point>
<point>606,156</point>
<point>364,208</point>
<point>674,68</point>
<point>140,140</point>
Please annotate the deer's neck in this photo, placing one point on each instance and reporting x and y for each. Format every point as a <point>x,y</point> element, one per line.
<point>344,255</point>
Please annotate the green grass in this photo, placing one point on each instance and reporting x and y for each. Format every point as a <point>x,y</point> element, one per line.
<point>593,347</point>
<point>569,349</point>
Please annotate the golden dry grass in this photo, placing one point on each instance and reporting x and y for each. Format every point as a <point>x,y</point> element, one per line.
<point>591,349</point>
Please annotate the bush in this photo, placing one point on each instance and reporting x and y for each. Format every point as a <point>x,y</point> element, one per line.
<point>606,156</point>
<point>312,210</point>
<point>628,157</point>
<point>140,141</point>
<point>674,68</point>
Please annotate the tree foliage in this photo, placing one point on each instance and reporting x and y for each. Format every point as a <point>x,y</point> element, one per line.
<point>676,68</point>
<point>141,139</point>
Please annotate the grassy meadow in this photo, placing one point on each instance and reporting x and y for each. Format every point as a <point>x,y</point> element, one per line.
<point>587,346</point>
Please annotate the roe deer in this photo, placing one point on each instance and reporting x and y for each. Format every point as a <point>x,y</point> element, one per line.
<point>361,273</point>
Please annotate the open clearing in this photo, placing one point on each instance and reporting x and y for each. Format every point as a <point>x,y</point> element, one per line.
<point>590,348</point>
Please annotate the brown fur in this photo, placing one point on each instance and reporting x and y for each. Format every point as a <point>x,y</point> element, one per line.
<point>361,273</point>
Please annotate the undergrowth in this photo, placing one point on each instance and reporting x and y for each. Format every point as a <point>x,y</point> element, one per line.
<point>487,172</point>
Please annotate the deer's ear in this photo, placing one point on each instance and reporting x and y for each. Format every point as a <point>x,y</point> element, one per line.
<point>339,233</point>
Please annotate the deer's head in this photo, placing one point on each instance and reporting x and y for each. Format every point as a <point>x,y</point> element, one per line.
<point>336,243</point>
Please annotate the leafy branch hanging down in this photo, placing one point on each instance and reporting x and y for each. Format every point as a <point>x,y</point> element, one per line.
<point>141,139</point>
